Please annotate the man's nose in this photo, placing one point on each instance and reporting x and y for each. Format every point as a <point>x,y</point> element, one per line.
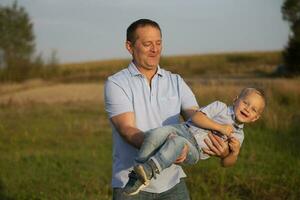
<point>154,48</point>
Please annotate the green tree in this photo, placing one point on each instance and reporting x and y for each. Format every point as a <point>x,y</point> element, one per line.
<point>291,54</point>
<point>16,40</point>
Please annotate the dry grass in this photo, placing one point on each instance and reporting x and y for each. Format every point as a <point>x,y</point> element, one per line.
<point>245,64</point>
<point>282,95</point>
<point>50,93</point>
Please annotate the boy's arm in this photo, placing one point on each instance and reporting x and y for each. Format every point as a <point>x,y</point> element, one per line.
<point>234,147</point>
<point>202,121</point>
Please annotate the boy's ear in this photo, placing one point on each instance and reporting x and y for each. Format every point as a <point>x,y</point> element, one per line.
<point>256,118</point>
<point>235,99</point>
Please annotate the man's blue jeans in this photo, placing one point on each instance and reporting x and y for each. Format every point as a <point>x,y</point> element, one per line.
<point>178,192</point>
<point>165,144</point>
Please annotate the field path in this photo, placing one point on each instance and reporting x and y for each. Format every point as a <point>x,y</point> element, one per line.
<point>50,93</point>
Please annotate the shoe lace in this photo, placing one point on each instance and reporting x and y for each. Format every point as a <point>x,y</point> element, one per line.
<point>133,175</point>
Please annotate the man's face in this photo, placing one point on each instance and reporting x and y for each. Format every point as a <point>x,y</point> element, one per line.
<point>248,108</point>
<point>147,48</point>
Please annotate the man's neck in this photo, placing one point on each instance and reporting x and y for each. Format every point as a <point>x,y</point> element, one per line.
<point>148,73</point>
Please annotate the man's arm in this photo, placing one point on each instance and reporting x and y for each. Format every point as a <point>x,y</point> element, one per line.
<point>120,110</point>
<point>125,125</point>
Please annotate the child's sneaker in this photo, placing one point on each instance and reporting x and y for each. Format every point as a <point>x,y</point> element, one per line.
<point>146,171</point>
<point>134,184</point>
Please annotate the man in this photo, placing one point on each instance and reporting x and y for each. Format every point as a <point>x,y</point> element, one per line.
<point>144,96</point>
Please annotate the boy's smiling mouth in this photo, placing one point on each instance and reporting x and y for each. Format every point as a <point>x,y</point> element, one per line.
<point>244,114</point>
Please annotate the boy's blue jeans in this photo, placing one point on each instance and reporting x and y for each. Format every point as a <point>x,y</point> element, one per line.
<point>165,144</point>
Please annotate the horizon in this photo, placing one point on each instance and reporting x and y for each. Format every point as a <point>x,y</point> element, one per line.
<point>95,29</point>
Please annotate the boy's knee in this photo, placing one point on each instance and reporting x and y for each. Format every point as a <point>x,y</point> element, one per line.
<point>179,142</point>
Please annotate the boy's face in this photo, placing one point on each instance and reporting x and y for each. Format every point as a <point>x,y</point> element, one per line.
<point>248,108</point>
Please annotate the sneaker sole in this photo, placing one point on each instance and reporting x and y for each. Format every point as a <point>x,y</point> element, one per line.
<point>137,191</point>
<point>139,170</point>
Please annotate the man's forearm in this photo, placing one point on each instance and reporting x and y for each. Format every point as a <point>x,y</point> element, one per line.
<point>133,136</point>
<point>125,125</point>
<point>229,160</point>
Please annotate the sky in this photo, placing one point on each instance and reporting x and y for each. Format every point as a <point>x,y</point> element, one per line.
<point>89,30</point>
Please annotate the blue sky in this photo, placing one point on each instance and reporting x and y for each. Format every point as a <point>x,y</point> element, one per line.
<point>83,30</point>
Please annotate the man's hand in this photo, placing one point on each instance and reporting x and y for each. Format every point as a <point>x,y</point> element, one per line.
<point>216,146</point>
<point>183,155</point>
<point>234,146</point>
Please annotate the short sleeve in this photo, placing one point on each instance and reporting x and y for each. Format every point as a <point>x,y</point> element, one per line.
<point>213,109</point>
<point>188,98</point>
<point>117,101</point>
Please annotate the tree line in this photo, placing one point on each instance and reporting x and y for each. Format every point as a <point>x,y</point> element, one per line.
<point>17,47</point>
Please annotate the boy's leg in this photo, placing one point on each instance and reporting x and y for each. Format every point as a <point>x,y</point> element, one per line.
<point>168,152</point>
<point>145,168</point>
<point>171,149</point>
<point>153,140</point>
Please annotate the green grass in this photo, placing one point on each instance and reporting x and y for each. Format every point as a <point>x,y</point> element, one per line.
<point>54,152</point>
<point>268,168</point>
<point>64,151</point>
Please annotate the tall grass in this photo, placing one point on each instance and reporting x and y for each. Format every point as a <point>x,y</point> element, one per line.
<point>54,152</point>
<point>63,149</point>
<point>217,65</point>
<point>214,65</point>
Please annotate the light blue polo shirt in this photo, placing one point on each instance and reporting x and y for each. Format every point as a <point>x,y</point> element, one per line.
<point>160,105</point>
<point>218,112</point>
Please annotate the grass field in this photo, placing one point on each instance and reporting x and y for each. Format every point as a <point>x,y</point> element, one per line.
<point>249,64</point>
<point>56,142</point>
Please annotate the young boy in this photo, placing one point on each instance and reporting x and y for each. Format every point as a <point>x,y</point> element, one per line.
<point>163,145</point>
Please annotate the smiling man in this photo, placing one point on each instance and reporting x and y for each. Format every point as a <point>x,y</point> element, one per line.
<point>141,97</point>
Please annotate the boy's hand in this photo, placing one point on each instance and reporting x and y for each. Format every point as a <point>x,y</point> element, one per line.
<point>227,129</point>
<point>234,146</point>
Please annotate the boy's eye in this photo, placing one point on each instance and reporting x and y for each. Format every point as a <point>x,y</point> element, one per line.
<point>254,110</point>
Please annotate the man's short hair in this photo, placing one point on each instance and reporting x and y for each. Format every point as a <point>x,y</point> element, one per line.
<point>131,30</point>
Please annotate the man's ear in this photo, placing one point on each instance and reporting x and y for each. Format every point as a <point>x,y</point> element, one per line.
<point>129,47</point>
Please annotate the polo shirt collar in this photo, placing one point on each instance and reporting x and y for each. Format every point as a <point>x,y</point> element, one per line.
<point>134,70</point>
<point>236,124</point>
